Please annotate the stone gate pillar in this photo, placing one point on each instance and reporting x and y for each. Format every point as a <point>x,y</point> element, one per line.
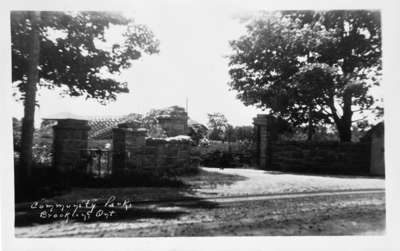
<point>125,141</point>
<point>377,150</point>
<point>265,129</point>
<point>70,137</point>
<point>261,140</point>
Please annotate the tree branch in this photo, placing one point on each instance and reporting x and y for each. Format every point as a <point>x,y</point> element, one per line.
<point>363,118</point>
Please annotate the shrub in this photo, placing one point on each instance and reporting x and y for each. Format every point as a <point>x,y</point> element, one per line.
<point>42,154</point>
<point>218,154</point>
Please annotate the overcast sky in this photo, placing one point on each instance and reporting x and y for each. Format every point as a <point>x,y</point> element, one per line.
<point>191,64</point>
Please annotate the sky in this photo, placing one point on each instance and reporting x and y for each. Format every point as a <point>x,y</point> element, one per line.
<point>192,64</point>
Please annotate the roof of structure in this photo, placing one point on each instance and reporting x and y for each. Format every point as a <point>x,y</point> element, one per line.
<point>101,127</point>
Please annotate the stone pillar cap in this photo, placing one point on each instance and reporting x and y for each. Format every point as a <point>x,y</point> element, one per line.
<point>72,124</point>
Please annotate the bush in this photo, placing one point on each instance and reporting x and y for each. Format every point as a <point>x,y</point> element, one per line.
<point>42,154</point>
<point>218,154</point>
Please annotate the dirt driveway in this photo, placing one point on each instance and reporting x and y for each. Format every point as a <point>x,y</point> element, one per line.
<point>233,202</point>
<point>272,182</point>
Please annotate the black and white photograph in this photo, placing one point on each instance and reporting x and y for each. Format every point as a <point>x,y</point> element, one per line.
<point>197,119</point>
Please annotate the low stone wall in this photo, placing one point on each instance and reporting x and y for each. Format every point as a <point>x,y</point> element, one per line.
<point>133,151</point>
<point>321,157</point>
<point>161,156</point>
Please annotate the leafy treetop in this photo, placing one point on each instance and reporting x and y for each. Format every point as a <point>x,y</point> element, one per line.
<point>74,53</point>
<point>308,66</point>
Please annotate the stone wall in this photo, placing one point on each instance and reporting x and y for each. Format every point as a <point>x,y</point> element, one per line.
<point>161,156</point>
<point>132,150</point>
<point>320,157</point>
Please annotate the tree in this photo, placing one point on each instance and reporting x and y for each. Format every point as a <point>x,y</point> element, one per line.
<point>312,84</point>
<point>244,133</point>
<point>217,124</point>
<point>197,131</point>
<point>16,133</point>
<point>288,53</point>
<point>69,50</point>
<point>229,134</point>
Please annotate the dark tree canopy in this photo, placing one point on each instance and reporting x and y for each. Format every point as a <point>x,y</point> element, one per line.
<point>309,67</point>
<point>243,133</point>
<point>73,54</point>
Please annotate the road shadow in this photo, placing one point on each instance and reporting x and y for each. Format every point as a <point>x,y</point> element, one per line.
<point>162,209</point>
<point>148,202</point>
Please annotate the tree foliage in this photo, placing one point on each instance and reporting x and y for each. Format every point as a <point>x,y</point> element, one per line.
<point>74,53</point>
<point>197,131</point>
<point>217,125</point>
<point>309,67</point>
<point>17,125</point>
<point>221,129</point>
<point>243,133</point>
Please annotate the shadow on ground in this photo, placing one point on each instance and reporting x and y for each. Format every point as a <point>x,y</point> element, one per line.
<point>147,202</point>
<point>26,216</point>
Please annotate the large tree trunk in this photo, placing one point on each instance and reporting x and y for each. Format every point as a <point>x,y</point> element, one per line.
<point>30,97</point>
<point>343,123</point>
<point>344,127</point>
